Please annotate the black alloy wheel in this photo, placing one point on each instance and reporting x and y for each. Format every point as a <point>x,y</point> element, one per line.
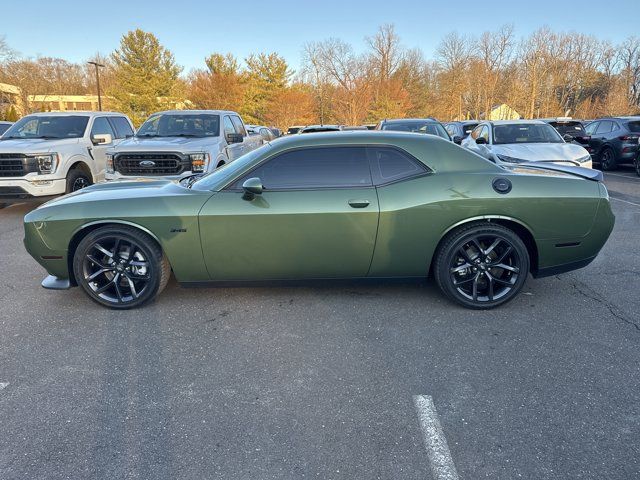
<point>607,159</point>
<point>482,266</point>
<point>120,267</point>
<point>77,180</point>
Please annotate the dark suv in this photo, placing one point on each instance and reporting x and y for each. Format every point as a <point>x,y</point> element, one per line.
<point>574,128</point>
<point>614,140</point>
<point>458,131</point>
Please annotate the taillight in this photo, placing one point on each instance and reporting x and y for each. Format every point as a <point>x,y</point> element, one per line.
<point>629,138</point>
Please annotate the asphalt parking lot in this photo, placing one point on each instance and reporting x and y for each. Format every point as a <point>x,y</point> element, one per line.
<point>318,382</point>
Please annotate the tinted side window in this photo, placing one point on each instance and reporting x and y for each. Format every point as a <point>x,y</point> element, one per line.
<point>331,167</point>
<point>391,164</point>
<point>101,126</point>
<point>228,126</point>
<point>591,127</point>
<point>604,127</point>
<point>237,123</point>
<point>121,126</point>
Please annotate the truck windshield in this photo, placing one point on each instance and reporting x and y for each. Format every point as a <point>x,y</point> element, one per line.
<point>525,133</point>
<point>181,125</point>
<point>48,127</point>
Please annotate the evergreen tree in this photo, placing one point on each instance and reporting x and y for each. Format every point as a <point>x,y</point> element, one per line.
<point>145,76</point>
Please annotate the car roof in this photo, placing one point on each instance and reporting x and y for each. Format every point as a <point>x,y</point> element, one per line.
<point>621,117</point>
<point>69,113</point>
<point>398,120</point>
<point>195,112</point>
<point>515,122</point>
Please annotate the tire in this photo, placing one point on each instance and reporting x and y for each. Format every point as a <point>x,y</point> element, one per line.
<point>77,180</point>
<point>608,159</point>
<point>120,267</point>
<point>636,165</point>
<point>3,205</point>
<point>481,265</point>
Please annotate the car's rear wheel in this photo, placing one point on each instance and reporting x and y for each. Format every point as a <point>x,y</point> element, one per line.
<point>481,265</point>
<point>120,267</point>
<point>77,180</point>
<point>607,159</point>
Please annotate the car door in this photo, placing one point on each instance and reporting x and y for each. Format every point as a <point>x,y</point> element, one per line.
<point>316,218</point>
<point>599,137</point>
<point>101,126</point>
<point>232,150</point>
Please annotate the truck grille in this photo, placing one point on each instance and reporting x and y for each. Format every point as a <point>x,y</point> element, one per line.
<point>16,165</point>
<point>151,164</point>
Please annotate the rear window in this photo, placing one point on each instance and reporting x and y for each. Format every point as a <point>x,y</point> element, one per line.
<point>634,127</point>
<point>572,128</point>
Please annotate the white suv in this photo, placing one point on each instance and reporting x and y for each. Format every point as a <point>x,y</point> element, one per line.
<point>179,143</point>
<point>53,153</point>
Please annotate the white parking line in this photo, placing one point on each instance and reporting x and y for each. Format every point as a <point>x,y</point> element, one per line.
<point>624,201</point>
<point>3,385</point>
<point>435,442</point>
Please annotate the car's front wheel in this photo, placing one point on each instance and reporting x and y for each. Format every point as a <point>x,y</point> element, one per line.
<point>120,267</point>
<point>481,265</point>
<point>77,180</point>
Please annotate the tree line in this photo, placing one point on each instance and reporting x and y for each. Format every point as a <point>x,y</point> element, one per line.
<point>544,74</point>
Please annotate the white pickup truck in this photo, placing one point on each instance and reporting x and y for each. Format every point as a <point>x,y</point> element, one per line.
<point>46,154</point>
<point>178,143</point>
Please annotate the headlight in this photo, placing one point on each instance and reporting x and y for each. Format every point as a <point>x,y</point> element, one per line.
<point>199,161</point>
<point>507,159</point>
<point>584,159</point>
<point>109,159</point>
<point>47,163</point>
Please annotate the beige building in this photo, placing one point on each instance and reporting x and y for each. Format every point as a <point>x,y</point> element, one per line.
<point>10,96</point>
<point>63,103</point>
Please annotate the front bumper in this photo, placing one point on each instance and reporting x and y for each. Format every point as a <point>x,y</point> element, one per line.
<point>20,189</point>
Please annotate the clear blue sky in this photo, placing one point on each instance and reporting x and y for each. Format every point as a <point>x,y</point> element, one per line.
<point>76,30</point>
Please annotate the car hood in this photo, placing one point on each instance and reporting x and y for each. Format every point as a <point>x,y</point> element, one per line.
<point>155,144</point>
<point>541,151</point>
<point>35,145</point>
<point>120,190</point>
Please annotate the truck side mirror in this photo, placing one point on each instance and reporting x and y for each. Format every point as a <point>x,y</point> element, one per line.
<point>101,139</point>
<point>481,141</point>
<point>234,138</point>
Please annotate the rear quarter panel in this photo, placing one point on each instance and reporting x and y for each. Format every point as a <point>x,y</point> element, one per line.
<point>416,214</point>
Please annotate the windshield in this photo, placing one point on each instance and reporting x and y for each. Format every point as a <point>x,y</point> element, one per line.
<point>181,125</point>
<point>48,127</point>
<point>4,127</point>
<point>431,128</point>
<point>525,133</point>
<point>223,175</point>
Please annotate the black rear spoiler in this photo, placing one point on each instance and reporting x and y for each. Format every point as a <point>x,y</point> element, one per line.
<point>588,173</point>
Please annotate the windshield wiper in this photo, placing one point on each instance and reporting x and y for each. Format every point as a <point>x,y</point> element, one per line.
<point>147,135</point>
<point>185,135</point>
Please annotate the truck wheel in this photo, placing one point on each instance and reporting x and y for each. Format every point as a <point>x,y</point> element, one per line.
<point>77,180</point>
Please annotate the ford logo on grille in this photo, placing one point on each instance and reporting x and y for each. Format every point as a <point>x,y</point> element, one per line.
<point>147,163</point>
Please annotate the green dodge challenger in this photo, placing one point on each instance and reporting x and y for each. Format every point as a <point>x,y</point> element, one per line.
<point>328,206</point>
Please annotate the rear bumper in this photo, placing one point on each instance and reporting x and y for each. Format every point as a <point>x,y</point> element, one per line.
<point>564,268</point>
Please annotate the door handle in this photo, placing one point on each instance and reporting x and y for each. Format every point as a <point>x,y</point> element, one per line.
<point>359,203</point>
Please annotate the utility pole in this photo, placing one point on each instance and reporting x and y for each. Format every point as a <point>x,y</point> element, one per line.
<point>98,65</point>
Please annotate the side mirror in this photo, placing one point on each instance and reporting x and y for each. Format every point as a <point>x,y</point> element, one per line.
<point>567,138</point>
<point>234,138</point>
<point>457,139</point>
<point>481,141</point>
<point>252,187</point>
<point>101,139</point>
